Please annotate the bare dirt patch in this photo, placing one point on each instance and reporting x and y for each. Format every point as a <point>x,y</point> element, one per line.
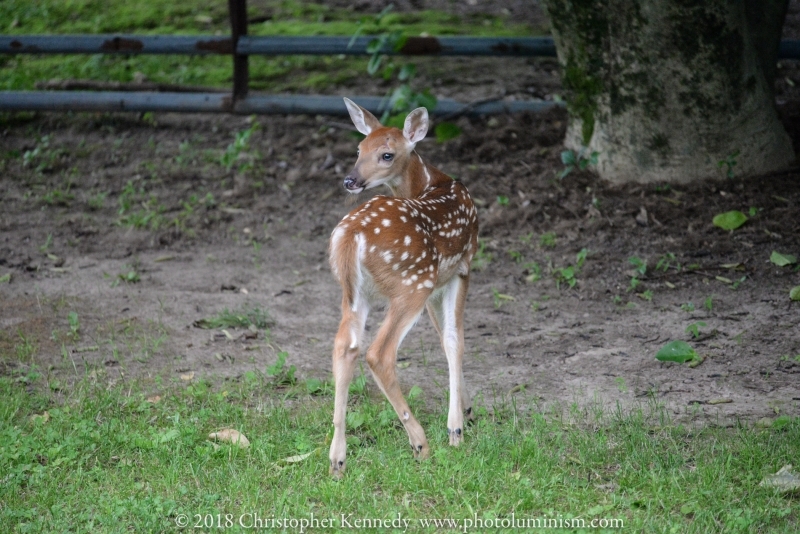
<point>261,242</point>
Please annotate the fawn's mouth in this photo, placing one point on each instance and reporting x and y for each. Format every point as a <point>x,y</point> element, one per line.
<point>353,185</point>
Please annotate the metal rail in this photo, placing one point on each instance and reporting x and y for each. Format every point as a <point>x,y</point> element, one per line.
<point>224,103</point>
<point>271,46</point>
<point>282,45</point>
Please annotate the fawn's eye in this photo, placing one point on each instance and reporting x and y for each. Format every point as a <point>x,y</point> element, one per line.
<point>387,157</point>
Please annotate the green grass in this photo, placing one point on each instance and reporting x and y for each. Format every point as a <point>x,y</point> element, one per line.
<point>242,318</point>
<point>104,458</point>
<point>284,73</point>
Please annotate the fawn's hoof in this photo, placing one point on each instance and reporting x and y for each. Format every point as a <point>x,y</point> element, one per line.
<point>456,436</point>
<point>337,468</point>
<point>421,451</point>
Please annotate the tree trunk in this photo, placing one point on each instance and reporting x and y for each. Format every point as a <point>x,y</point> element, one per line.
<point>672,90</point>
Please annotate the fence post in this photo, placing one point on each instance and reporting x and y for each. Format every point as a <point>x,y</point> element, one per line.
<point>241,75</point>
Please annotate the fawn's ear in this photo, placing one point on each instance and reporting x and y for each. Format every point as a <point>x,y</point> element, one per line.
<point>416,126</point>
<point>364,120</point>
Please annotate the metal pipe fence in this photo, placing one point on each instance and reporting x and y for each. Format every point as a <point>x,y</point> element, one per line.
<point>240,46</point>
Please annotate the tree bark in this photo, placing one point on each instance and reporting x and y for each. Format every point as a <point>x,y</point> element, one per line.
<point>665,90</point>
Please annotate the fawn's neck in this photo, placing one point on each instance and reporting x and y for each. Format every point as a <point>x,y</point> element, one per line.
<point>417,177</point>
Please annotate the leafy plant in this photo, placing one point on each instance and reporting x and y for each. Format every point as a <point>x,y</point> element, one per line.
<point>500,298</point>
<point>577,160</point>
<point>482,259</point>
<point>240,144</point>
<point>639,264</point>
<point>97,201</point>
<point>666,261</point>
<point>242,318</point>
<point>688,307</point>
<point>634,284</point>
<point>729,163</point>
<point>502,200</point>
<point>74,325</point>
<point>403,98</point>
<point>708,303</point>
<point>281,374</point>
<point>42,157</point>
<point>516,256</point>
<point>59,197</point>
<point>548,240</point>
<point>131,276</point>
<point>566,275</point>
<point>445,131</point>
<point>534,271</point>
<point>730,220</point>
<point>694,329</point>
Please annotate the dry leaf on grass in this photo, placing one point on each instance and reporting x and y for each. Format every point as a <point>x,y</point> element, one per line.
<point>188,376</point>
<point>296,458</point>
<point>42,417</point>
<point>784,480</point>
<point>231,436</point>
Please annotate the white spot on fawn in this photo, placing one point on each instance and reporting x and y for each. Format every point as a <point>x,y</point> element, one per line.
<point>386,222</point>
<point>407,240</point>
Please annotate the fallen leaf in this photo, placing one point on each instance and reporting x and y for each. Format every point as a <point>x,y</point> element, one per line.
<point>677,351</point>
<point>296,458</point>
<point>641,217</point>
<point>782,260</point>
<point>730,220</point>
<point>5,279</point>
<point>403,365</point>
<point>784,480</point>
<point>41,417</point>
<point>154,399</point>
<point>794,294</point>
<point>187,376</point>
<point>731,265</point>
<point>231,436</point>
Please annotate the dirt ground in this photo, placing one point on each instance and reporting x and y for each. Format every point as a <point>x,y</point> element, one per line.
<point>74,186</point>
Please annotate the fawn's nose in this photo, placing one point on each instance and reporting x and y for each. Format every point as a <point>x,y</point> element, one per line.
<point>353,183</point>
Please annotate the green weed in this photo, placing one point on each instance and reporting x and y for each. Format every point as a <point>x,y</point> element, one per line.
<point>242,318</point>
<point>482,259</point>
<point>548,240</point>
<point>581,160</point>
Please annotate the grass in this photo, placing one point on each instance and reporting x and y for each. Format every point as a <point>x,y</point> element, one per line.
<point>242,318</point>
<point>135,456</point>
<point>287,17</point>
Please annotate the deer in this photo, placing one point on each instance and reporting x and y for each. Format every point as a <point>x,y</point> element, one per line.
<point>413,248</point>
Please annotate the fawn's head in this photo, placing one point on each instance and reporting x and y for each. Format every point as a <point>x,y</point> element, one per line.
<point>384,155</point>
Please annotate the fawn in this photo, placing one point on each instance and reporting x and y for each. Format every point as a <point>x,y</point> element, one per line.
<point>413,248</point>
